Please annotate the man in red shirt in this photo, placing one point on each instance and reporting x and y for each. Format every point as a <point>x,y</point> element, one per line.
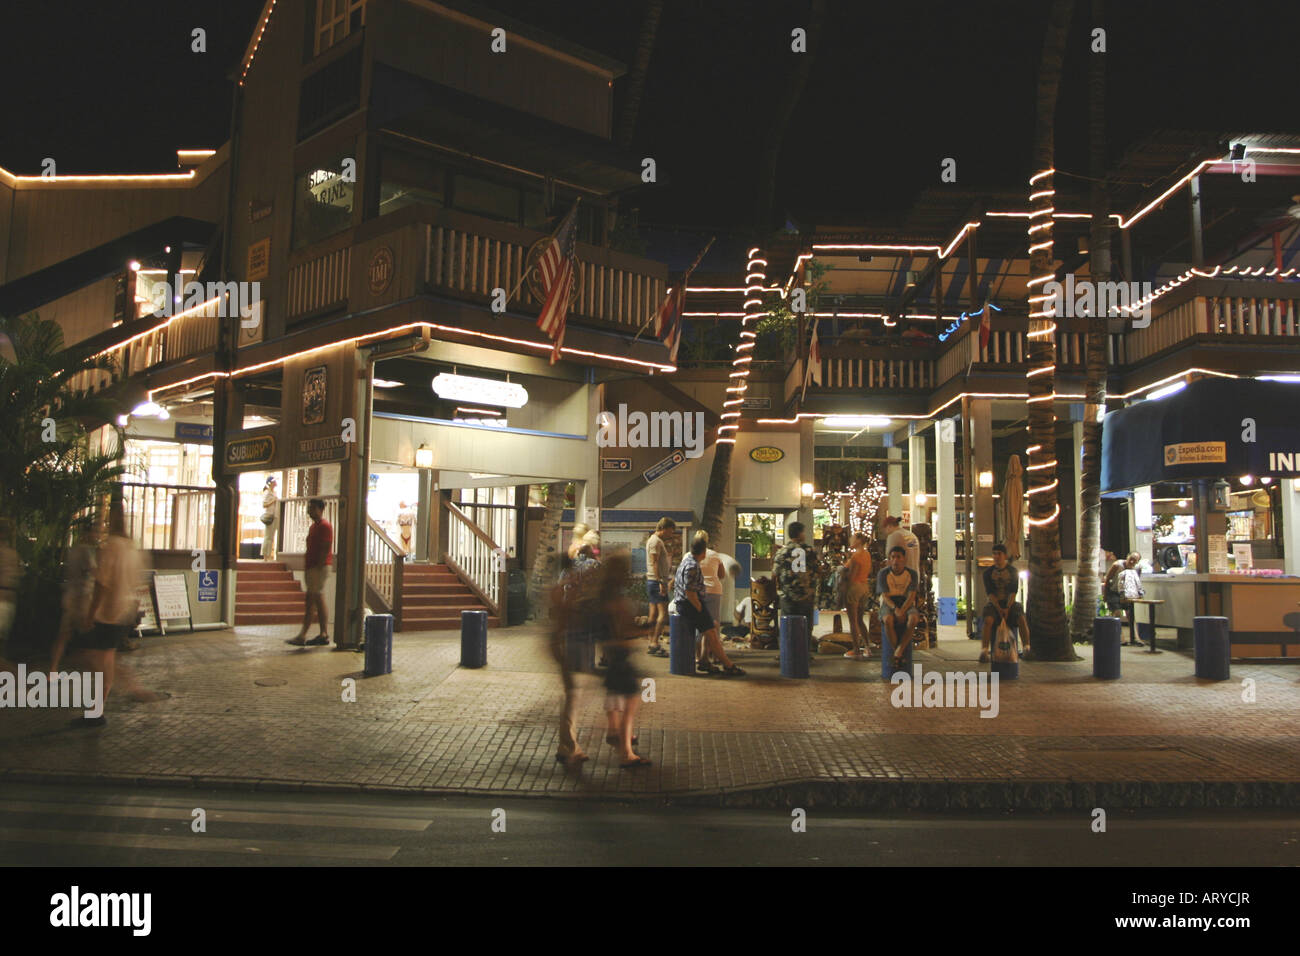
<point>317,561</point>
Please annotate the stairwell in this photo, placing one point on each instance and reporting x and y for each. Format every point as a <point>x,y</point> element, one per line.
<point>267,593</point>
<point>433,597</point>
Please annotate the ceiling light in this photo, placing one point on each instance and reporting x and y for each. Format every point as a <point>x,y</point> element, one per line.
<point>1247,479</point>
<point>855,421</point>
<point>386,383</point>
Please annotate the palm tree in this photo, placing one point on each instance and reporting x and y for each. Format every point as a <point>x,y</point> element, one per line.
<point>636,75</point>
<point>544,563</point>
<point>781,114</point>
<point>1086,584</point>
<point>1046,610</point>
<point>50,482</point>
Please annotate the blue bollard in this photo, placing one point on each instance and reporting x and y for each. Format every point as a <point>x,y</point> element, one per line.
<point>887,668</point>
<point>948,611</point>
<point>379,645</point>
<point>794,646</point>
<point>473,638</point>
<point>1212,647</point>
<point>681,646</point>
<point>1107,633</point>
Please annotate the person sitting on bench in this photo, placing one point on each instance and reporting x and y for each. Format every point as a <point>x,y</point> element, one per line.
<point>897,587</point>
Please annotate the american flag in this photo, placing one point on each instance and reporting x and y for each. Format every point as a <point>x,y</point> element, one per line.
<point>557,266</point>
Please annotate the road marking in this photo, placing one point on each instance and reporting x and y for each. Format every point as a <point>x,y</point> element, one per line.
<point>181,814</point>
<point>199,843</point>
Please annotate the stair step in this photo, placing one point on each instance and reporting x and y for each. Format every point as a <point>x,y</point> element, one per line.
<point>434,590</point>
<point>267,600</point>
<point>268,587</point>
<point>268,618</point>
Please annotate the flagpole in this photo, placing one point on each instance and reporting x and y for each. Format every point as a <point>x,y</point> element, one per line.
<point>698,259</point>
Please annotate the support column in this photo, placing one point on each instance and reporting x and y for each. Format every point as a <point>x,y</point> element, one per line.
<point>947,506</point>
<point>426,516</point>
<point>916,476</point>
<point>982,425</point>
<point>894,479</point>
<point>350,580</point>
<point>1290,525</point>
<point>1080,559</point>
<point>1198,243</point>
<point>807,473</point>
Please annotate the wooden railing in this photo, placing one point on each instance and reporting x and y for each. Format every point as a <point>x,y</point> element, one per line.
<point>1218,308</point>
<point>477,559</point>
<point>169,517</point>
<point>319,282</point>
<point>183,337</point>
<point>470,258</point>
<point>384,563</point>
<point>295,522</point>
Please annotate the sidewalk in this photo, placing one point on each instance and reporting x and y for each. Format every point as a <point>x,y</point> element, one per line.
<point>248,711</point>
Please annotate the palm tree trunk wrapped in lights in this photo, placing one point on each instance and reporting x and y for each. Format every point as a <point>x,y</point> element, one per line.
<point>1086,583</point>
<point>1046,604</point>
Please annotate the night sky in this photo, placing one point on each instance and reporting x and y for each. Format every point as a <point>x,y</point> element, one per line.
<point>896,87</point>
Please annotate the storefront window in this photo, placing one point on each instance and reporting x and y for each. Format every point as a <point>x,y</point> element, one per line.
<point>323,197</point>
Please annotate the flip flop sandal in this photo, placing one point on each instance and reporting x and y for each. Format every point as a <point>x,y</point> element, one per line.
<point>299,641</point>
<point>733,671</point>
<point>638,762</point>
<point>320,640</point>
<point>706,669</point>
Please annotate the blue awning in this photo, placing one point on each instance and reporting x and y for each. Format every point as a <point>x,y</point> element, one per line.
<point>1204,431</point>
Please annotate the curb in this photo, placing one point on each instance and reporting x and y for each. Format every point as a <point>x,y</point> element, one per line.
<point>1044,796</point>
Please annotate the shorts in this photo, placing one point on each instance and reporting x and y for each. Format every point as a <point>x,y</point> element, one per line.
<point>713,604</point>
<point>887,610</point>
<point>654,591</point>
<point>700,620</point>
<point>1013,614</point>
<point>315,578</point>
<point>102,637</point>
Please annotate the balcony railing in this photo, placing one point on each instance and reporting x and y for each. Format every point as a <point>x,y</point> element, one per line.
<point>1219,309</point>
<point>184,336</point>
<point>295,522</point>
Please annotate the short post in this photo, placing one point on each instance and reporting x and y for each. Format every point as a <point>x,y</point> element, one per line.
<point>681,646</point>
<point>1212,648</point>
<point>1106,636</point>
<point>473,638</point>
<point>794,646</point>
<point>379,645</point>
<point>887,668</point>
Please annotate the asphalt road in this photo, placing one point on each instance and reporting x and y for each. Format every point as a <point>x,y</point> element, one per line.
<point>68,826</point>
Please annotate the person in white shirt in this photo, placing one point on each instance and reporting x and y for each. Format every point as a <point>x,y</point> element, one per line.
<point>659,582</point>
<point>270,518</point>
<point>897,536</point>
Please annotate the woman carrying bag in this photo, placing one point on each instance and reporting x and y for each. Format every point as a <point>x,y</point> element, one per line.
<point>1130,589</point>
<point>270,518</point>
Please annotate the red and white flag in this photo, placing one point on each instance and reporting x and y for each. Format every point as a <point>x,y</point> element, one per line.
<point>668,320</point>
<point>814,371</point>
<point>557,267</point>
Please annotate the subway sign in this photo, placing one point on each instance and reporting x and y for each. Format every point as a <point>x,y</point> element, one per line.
<point>247,452</point>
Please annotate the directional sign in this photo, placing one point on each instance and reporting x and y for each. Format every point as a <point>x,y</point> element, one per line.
<point>616,464</point>
<point>208,586</point>
<point>659,469</point>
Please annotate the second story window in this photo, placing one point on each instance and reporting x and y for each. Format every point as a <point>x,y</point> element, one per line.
<point>337,19</point>
<point>322,202</point>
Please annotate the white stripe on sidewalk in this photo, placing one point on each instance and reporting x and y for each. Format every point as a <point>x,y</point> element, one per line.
<point>199,843</point>
<point>181,813</point>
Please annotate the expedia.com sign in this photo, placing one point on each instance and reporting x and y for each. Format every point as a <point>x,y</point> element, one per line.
<point>1196,453</point>
<point>247,452</point>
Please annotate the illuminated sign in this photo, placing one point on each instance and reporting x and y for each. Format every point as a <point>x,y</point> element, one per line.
<point>1196,453</point>
<point>766,454</point>
<point>464,388</point>
<point>242,452</point>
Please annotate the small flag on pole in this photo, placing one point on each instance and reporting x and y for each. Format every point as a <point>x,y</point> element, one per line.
<point>557,267</point>
<point>668,320</point>
<point>815,357</point>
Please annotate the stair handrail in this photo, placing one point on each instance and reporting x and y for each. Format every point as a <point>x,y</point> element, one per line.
<point>385,561</point>
<point>478,561</point>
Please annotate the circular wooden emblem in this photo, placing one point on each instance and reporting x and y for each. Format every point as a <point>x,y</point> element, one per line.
<point>535,280</point>
<point>379,274</point>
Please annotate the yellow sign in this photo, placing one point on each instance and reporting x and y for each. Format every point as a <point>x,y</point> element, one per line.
<point>259,260</point>
<point>246,452</point>
<point>1196,453</point>
<point>766,454</point>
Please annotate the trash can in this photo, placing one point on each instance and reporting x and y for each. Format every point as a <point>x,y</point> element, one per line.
<point>887,668</point>
<point>516,598</point>
<point>681,646</point>
<point>473,638</point>
<point>794,645</point>
<point>1211,648</point>
<point>1107,633</point>
<point>948,611</point>
<point>379,645</point>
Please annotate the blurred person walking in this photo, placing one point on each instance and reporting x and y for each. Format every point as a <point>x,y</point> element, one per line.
<point>567,751</point>
<point>317,560</point>
<point>78,588</point>
<point>622,682</point>
<point>10,576</point>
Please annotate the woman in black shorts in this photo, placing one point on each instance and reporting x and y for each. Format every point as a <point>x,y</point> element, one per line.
<point>622,682</point>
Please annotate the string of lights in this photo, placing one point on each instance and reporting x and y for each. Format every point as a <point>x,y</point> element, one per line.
<point>1041,376</point>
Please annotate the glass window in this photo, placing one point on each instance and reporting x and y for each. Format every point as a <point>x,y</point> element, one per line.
<point>534,211</point>
<point>322,203</point>
<point>406,180</point>
<point>336,19</point>
<point>483,198</point>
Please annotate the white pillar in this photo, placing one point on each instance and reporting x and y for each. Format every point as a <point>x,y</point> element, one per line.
<point>946,505</point>
<point>1290,525</point>
<point>586,498</point>
<point>916,476</point>
<point>895,479</point>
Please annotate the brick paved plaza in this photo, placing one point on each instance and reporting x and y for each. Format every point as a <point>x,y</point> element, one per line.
<point>247,711</point>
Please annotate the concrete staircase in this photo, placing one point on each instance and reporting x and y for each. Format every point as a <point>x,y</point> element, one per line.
<point>267,593</point>
<point>433,597</point>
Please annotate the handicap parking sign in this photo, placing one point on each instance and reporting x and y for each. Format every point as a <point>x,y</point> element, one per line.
<point>208,586</point>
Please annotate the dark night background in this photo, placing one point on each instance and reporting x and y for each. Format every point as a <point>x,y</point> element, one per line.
<point>896,87</point>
